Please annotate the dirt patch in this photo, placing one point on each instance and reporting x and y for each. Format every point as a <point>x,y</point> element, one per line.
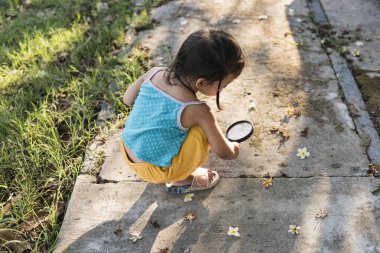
<point>370,88</point>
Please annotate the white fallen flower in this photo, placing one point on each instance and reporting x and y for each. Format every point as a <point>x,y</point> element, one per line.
<point>356,52</point>
<point>294,229</point>
<point>188,197</point>
<point>184,21</point>
<point>291,12</point>
<point>302,153</point>
<point>134,236</point>
<point>252,107</point>
<point>262,17</point>
<point>236,21</point>
<point>359,43</point>
<point>233,231</point>
<point>344,49</point>
<point>299,20</point>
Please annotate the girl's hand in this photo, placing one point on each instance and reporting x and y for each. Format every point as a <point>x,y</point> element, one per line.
<point>235,148</point>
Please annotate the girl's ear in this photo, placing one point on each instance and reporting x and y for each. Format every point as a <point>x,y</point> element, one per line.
<point>201,82</point>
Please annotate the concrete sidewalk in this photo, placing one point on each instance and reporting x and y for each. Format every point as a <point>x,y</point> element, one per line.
<point>287,70</point>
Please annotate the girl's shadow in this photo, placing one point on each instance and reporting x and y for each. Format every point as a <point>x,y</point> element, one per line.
<point>155,220</point>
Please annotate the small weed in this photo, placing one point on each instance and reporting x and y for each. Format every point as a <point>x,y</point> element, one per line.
<point>100,158</point>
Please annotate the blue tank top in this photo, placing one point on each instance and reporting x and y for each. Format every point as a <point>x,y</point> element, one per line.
<point>153,129</point>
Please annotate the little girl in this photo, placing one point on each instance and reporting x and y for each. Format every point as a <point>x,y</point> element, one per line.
<point>169,132</point>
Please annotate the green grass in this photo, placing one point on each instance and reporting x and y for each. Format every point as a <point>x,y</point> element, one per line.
<point>57,63</point>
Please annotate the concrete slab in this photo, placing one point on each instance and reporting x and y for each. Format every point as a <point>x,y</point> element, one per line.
<point>281,68</point>
<point>361,19</point>
<point>280,73</point>
<point>262,215</point>
<point>114,167</point>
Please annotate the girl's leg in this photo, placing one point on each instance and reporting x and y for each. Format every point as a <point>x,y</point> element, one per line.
<point>193,154</point>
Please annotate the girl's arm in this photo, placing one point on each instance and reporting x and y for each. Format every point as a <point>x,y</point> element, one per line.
<point>202,116</point>
<point>133,90</point>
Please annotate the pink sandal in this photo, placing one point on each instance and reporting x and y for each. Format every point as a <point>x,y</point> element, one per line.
<point>200,175</point>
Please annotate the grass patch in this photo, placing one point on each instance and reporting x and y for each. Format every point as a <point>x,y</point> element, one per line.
<point>57,65</point>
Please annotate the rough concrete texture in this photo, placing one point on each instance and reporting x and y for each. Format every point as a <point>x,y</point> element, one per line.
<point>359,20</point>
<point>262,215</point>
<point>365,127</point>
<point>286,67</point>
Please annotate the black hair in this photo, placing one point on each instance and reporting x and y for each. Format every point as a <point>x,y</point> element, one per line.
<point>208,54</point>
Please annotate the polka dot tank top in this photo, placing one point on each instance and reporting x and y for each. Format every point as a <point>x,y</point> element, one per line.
<point>153,129</point>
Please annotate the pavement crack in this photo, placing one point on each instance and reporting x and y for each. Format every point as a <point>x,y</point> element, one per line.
<point>289,177</point>
<point>100,180</point>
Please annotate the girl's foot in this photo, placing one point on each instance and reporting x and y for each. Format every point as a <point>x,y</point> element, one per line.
<point>200,179</point>
<point>189,180</point>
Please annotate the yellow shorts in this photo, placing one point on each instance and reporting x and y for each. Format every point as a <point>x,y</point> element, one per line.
<point>193,154</point>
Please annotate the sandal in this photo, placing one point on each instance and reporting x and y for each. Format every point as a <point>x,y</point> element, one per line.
<point>199,175</point>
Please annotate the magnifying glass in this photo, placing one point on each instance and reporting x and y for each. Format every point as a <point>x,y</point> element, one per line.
<point>239,131</point>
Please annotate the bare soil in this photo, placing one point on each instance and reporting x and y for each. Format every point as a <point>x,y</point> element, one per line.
<point>370,88</point>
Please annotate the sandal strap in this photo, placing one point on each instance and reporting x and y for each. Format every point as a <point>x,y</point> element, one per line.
<point>197,176</point>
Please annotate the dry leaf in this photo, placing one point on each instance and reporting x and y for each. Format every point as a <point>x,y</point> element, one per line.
<point>297,101</point>
<point>373,170</point>
<point>7,206</point>
<point>190,216</point>
<point>284,133</point>
<point>296,113</point>
<point>305,132</point>
<point>165,250</point>
<point>289,111</point>
<point>12,240</point>
<point>6,209</point>
<point>118,230</point>
<point>50,185</point>
<point>321,214</point>
<point>155,224</point>
<point>273,130</point>
<point>35,219</point>
<point>267,175</point>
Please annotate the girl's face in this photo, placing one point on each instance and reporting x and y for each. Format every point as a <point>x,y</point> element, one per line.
<point>208,89</point>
